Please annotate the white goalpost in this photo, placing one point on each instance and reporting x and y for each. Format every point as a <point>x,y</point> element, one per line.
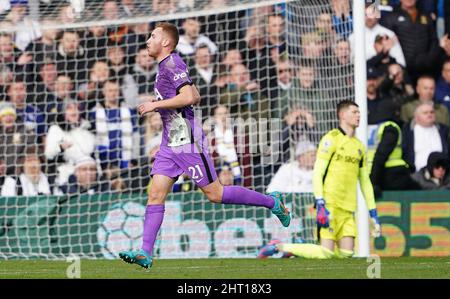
<point>359,10</point>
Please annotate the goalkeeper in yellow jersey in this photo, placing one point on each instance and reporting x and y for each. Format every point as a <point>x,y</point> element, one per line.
<point>340,162</point>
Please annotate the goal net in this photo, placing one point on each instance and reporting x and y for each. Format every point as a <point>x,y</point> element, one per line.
<point>75,157</point>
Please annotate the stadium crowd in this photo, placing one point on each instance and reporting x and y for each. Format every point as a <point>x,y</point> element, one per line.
<point>68,120</point>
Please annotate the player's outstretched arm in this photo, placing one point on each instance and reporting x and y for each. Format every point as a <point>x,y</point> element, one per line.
<point>188,95</point>
<point>367,190</point>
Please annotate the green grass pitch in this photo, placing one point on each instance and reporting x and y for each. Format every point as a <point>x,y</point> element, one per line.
<point>294,268</point>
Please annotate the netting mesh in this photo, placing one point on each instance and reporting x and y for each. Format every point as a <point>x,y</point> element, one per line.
<point>75,158</point>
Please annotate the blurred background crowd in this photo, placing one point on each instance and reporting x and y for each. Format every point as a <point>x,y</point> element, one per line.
<point>68,94</point>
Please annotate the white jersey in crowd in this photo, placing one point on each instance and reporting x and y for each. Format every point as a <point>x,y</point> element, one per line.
<point>371,33</point>
<point>426,141</point>
<point>290,178</point>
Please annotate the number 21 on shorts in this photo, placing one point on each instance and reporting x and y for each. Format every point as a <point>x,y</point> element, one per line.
<point>196,172</point>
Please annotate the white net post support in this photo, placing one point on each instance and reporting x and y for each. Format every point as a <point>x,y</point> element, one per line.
<point>363,249</point>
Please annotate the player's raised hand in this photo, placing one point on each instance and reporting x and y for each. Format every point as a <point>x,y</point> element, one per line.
<point>146,107</point>
<point>376,232</point>
<point>323,215</point>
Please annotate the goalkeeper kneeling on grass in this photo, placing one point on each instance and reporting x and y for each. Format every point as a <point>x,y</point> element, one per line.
<point>340,163</point>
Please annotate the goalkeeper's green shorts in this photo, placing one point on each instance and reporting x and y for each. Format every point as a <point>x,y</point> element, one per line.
<point>342,224</point>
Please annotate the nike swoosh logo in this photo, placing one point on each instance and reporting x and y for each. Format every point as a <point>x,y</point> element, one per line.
<point>199,180</point>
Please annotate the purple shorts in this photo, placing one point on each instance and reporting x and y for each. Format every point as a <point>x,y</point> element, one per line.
<point>190,159</point>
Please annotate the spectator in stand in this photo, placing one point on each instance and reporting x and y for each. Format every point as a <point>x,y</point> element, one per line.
<point>26,29</point>
<point>90,93</point>
<point>243,96</point>
<point>139,82</point>
<point>225,29</point>
<point>223,141</point>
<point>390,46</point>
<point>342,85</point>
<point>45,47</point>
<point>312,46</point>
<point>434,176</point>
<point>71,57</point>
<point>203,75</point>
<point>393,86</point>
<point>116,62</point>
<point>114,125</point>
<point>275,47</point>
<point>342,17</point>
<point>284,82</point>
<point>423,136</point>
<point>110,10</point>
<point>324,27</point>
<point>296,176</point>
<point>232,57</point>
<point>129,8</point>
<point>95,42</point>
<point>10,55</point>
<point>67,140</point>
<point>85,179</point>
<point>163,7</point>
<point>382,59</point>
<point>311,99</point>
<point>417,35</point>
<point>192,38</point>
<point>315,51</point>
<point>426,6</point>
<point>29,115</point>
<point>6,77</point>
<point>379,108</point>
<point>276,39</point>
<point>63,95</point>
<point>14,138</point>
<point>258,58</point>
<point>42,88</point>
<point>298,125</point>
<point>31,181</point>
<point>425,90</point>
<point>443,85</point>
<point>66,14</point>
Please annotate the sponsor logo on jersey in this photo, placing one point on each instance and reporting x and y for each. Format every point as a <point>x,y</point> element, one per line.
<point>179,76</point>
<point>347,159</point>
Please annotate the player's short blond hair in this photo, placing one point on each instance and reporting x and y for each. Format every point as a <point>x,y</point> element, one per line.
<point>171,30</point>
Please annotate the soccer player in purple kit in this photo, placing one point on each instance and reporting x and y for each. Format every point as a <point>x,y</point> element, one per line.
<point>183,147</point>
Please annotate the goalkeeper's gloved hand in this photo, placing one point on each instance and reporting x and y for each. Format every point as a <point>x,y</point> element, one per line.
<point>376,223</point>
<point>323,215</point>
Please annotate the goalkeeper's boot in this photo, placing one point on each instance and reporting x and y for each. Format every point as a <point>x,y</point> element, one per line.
<point>141,258</point>
<point>269,249</point>
<point>280,210</point>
